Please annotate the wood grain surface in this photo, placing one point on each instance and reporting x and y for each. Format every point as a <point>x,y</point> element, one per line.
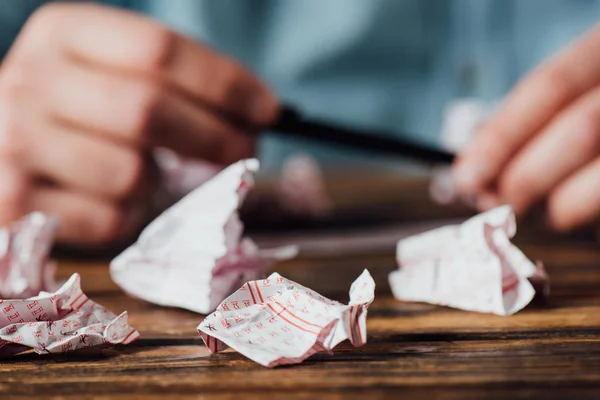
<point>550,350</point>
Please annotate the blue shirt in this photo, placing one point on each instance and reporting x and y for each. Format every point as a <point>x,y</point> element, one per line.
<point>389,64</point>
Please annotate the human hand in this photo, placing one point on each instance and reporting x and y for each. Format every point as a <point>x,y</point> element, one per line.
<point>543,144</point>
<point>87,91</point>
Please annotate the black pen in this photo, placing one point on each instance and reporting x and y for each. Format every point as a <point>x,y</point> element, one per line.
<point>293,123</point>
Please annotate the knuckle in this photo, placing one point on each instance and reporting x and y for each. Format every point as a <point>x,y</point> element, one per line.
<point>231,89</point>
<point>13,84</point>
<point>23,74</point>
<point>130,175</point>
<point>48,13</point>
<point>147,104</point>
<point>586,135</point>
<point>13,81</point>
<point>45,19</point>
<point>557,85</point>
<point>159,50</point>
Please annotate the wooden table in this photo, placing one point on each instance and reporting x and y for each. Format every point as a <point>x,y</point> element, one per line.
<point>414,350</point>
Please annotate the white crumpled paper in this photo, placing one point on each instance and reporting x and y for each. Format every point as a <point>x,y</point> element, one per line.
<point>472,266</point>
<point>57,322</point>
<point>193,255</point>
<point>277,321</point>
<point>24,266</point>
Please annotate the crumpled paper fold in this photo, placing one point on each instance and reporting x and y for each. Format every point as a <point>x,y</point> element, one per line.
<point>193,255</point>
<point>472,266</point>
<point>277,321</point>
<point>58,322</point>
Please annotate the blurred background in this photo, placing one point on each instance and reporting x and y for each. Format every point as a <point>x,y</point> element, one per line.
<point>390,64</point>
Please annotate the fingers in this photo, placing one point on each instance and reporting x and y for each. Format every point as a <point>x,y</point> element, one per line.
<point>130,42</point>
<point>142,113</point>
<point>532,104</point>
<point>576,202</point>
<point>88,91</point>
<point>84,220</point>
<point>87,164</point>
<point>42,147</point>
<point>175,123</point>
<point>569,142</point>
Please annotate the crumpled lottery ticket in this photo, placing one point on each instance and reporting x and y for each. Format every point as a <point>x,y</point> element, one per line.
<point>461,120</point>
<point>24,266</point>
<point>472,266</point>
<point>193,255</point>
<point>57,322</point>
<point>277,321</point>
